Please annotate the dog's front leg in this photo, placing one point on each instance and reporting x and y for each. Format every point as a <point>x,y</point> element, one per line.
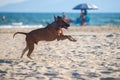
<point>63,37</point>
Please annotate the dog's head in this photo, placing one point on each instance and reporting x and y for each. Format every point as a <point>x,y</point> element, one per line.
<point>60,22</point>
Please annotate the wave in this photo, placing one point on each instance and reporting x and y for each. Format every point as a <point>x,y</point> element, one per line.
<point>18,25</point>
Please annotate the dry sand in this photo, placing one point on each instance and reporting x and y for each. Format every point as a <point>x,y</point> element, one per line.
<point>95,56</point>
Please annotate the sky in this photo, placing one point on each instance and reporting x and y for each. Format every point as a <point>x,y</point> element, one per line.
<point>112,6</point>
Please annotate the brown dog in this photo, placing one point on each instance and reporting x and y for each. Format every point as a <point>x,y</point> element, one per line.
<point>48,33</point>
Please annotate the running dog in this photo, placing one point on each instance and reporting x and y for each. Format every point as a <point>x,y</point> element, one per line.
<point>48,33</point>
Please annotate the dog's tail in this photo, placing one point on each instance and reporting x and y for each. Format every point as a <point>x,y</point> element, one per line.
<point>19,33</point>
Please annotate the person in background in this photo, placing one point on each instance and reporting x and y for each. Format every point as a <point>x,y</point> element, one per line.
<point>83,20</point>
<point>65,18</point>
<point>3,18</point>
<point>83,16</point>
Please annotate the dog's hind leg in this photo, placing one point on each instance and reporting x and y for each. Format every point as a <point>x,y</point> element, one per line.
<point>26,48</point>
<point>31,48</point>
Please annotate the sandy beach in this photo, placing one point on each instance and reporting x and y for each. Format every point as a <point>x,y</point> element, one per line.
<point>95,55</point>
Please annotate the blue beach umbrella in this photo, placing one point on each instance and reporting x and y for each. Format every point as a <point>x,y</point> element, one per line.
<point>85,6</point>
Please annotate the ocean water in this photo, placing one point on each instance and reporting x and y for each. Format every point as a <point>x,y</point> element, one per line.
<point>43,19</point>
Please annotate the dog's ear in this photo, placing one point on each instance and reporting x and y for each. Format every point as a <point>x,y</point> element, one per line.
<point>55,19</point>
